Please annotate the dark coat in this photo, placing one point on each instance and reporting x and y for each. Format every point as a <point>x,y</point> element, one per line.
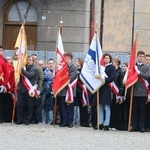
<point>73,74</point>
<point>31,73</point>
<point>119,80</point>
<point>105,91</point>
<point>49,99</point>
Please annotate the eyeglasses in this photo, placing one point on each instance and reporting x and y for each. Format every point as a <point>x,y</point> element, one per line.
<point>141,56</point>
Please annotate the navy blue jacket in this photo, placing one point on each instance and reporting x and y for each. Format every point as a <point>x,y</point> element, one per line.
<point>105,91</point>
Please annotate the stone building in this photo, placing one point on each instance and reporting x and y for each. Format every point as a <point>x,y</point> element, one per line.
<point>116,21</point>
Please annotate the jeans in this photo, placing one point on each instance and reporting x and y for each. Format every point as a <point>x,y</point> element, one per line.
<point>76,119</point>
<point>48,116</point>
<point>104,110</point>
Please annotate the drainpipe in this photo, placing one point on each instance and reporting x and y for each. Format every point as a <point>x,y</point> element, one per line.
<point>102,22</point>
<point>133,21</point>
<point>92,19</point>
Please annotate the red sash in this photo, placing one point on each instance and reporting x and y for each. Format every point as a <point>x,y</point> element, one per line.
<point>32,89</point>
<point>2,87</point>
<point>115,90</point>
<point>69,94</point>
<point>146,84</point>
<point>85,97</point>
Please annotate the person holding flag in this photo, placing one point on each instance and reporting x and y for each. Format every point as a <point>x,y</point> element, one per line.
<point>93,71</point>
<point>4,79</point>
<point>67,94</point>
<point>105,92</point>
<point>9,96</point>
<point>147,115</point>
<point>140,94</point>
<point>29,78</point>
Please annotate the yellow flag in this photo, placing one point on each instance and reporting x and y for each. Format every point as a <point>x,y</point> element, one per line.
<point>20,53</point>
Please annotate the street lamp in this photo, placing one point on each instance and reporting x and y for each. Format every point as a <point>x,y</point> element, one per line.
<point>43,17</point>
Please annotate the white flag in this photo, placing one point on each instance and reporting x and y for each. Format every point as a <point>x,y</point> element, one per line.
<point>92,73</point>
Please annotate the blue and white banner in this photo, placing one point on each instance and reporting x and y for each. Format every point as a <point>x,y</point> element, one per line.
<point>93,72</point>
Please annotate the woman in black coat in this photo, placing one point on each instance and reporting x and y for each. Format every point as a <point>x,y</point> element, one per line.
<point>105,93</point>
<point>117,108</point>
<point>83,119</point>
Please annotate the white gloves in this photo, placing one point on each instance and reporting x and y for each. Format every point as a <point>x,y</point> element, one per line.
<point>2,89</point>
<point>24,67</point>
<point>137,70</point>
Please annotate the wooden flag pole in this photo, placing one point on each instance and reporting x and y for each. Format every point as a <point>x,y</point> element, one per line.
<point>98,110</point>
<point>14,105</point>
<point>55,105</point>
<point>130,110</point>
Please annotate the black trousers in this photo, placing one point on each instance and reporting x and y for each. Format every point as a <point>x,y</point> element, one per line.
<point>37,111</point>
<point>25,105</point>
<point>67,111</point>
<point>147,116</point>
<point>2,104</point>
<point>138,112</point>
<point>8,107</point>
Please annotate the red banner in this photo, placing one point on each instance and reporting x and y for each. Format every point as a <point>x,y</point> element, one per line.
<point>131,75</point>
<point>61,78</point>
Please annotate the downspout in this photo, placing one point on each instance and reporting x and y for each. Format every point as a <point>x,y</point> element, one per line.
<point>92,19</point>
<point>102,22</point>
<point>133,21</point>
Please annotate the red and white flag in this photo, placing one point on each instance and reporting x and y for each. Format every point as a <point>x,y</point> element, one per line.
<point>61,78</point>
<point>131,75</point>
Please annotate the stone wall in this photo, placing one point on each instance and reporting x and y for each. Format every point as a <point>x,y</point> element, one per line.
<point>117,25</point>
<point>118,20</point>
<point>75,16</point>
<point>142,19</point>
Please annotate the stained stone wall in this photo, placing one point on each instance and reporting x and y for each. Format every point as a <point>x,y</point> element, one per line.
<point>118,20</point>
<point>142,19</point>
<point>117,25</point>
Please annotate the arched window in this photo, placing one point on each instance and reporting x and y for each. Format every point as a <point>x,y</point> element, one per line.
<point>14,14</point>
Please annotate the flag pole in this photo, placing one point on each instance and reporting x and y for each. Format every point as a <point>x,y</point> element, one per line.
<point>55,105</point>
<point>130,110</point>
<point>98,100</point>
<point>131,98</point>
<point>14,105</point>
<point>98,110</point>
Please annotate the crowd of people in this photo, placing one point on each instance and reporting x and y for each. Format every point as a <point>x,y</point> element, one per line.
<point>44,108</point>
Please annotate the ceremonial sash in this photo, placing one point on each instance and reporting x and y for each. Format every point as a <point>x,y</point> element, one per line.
<point>2,87</point>
<point>85,97</point>
<point>146,84</point>
<point>32,89</point>
<point>69,94</point>
<point>115,90</point>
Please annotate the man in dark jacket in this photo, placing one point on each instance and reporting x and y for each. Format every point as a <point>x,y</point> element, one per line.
<point>24,99</point>
<point>147,115</point>
<point>140,94</point>
<point>68,108</point>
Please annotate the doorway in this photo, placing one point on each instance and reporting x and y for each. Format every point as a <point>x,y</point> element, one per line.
<point>15,13</point>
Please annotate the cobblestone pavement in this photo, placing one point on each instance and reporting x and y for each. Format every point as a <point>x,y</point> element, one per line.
<point>48,137</point>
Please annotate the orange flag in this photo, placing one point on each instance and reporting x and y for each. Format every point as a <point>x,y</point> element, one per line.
<point>131,75</point>
<point>61,78</point>
<point>20,53</point>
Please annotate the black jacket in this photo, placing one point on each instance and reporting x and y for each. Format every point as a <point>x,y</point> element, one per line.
<point>31,73</point>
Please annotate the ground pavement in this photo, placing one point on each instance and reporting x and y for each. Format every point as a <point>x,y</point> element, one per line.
<point>48,137</point>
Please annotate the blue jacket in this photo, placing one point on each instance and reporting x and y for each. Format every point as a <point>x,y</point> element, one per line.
<point>48,78</point>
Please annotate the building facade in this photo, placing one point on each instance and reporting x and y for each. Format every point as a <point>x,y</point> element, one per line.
<point>115,20</point>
